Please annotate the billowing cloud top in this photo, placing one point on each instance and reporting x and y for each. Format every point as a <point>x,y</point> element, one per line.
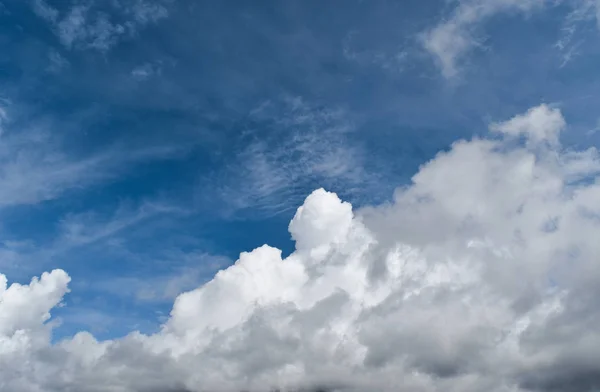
<point>482,275</point>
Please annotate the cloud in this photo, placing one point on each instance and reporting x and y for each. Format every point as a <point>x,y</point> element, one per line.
<point>575,25</point>
<point>146,70</point>
<point>92,241</point>
<point>178,272</point>
<point>539,124</point>
<point>76,30</point>
<point>392,64</point>
<point>85,26</point>
<point>44,294</point>
<point>87,228</point>
<point>144,11</point>
<point>34,166</point>
<point>95,233</point>
<point>454,37</point>
<point>271,173</point>
<point>480,275</point>
<point>44,10</point>
<point>56,62</point>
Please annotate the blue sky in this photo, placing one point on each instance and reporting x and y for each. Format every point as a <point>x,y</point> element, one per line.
<point>145,144</point>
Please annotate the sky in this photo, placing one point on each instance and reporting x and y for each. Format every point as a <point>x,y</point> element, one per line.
<point>356,195</point>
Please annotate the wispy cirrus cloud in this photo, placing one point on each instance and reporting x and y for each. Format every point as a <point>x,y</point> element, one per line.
<point>450,40</point>
<point>84,25</point>
<point>147,70</point>
<point>309,144</point>
<point>35,167</point>
<point>32,173</point>
<point>583,19</point>
<point>131,238</point>
<point>86,228</point>
<point>98,235</point>
<point>174,273</point>
<point>454,37</point>
<point>392,63</point>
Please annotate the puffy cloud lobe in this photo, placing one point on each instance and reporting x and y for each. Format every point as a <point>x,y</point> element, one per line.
<point>23,335</point>
<point>24,308</point>
<point>480,275</point>
<point>320,222</point>
<point>539,124</point>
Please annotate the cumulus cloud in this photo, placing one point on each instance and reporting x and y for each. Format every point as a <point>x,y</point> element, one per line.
<point>452,38</point>
<point>481,275</point>
<point>539,124</point>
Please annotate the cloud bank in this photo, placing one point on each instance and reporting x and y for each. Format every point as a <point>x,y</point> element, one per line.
<point>481,275</point>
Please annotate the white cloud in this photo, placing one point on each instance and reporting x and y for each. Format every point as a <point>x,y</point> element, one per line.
<point>481,275</point>
<point>56,62</point>
<point>144,11</point>
<point>454,37</point>
<point>95,232</point>
<point>391,63</point>
<point>539,124</point>
<point>72,28</point>
<point>3,118</point>
<point>83,26</point>
<point>179,272</point>
<point>44,10</point>
<point>309,144</point>
<point>34,167</point>
<point>146,70</point>
<point>576,27</point>
<point>87,228</point>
